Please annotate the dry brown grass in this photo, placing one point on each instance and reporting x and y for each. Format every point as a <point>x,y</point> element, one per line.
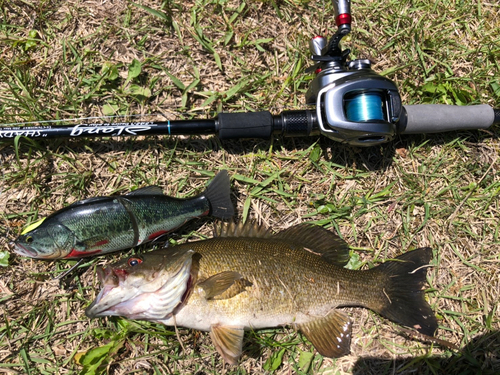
<point>439,191</point>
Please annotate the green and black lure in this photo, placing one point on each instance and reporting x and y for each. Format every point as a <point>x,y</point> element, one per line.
<point>105,224</point>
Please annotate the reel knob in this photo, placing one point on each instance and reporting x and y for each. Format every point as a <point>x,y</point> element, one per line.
<point>360,64</point>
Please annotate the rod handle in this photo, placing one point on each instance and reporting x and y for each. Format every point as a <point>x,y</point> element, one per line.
<point>244,125</point>
<point>437,118</point>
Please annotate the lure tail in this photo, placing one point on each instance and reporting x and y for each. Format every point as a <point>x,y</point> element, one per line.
<point>218,194</point>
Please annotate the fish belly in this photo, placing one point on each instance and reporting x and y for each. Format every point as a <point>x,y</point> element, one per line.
<point>203,314</point>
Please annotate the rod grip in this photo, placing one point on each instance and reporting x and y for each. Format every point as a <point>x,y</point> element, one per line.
<point>245,125</point>
<point>437,118</point>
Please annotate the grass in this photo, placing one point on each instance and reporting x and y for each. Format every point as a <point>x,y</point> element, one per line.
<point>62,60</point>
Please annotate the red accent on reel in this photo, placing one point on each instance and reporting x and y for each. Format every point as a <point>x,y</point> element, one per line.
<point>343,19</point>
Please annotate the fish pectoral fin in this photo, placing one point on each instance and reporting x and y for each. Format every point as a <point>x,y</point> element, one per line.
<point>217,284</point>
<point>147,190</point>
<point>228,341</point>
<point>330,335</point>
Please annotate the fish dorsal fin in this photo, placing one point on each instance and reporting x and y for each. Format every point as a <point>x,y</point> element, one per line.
<point>219,283</point>
<point>248,229</point>
<point>88,200</point>
<point>318,240</point>
<point>228,341</point>
<point>147,190</point>
<point>330,335</point>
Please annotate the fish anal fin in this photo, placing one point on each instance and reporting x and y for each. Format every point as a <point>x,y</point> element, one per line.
<point>217,284</point>
<point>228,341</point>
<point>147,190</point>
<point>318,240</point>
<point>330,335</point>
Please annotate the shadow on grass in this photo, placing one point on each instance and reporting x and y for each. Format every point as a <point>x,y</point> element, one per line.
<point>480,356</point>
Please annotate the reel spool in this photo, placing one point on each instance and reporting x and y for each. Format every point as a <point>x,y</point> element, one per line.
<point>364,107</point>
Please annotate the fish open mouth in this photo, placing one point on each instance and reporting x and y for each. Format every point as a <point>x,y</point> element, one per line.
<point>132,296</point>
<point>24,251</point>
<point>27,251</point>
<point>109,281</point>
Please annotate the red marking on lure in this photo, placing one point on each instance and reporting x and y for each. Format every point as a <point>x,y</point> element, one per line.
<point>79,254</point>
<point>157,234</point>
<point>100,243</point>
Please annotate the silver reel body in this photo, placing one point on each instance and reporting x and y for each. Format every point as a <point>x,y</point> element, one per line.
<point>355,105</point>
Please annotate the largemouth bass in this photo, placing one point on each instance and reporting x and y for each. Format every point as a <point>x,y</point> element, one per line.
<point>104,224</point>
<point>249,279</point>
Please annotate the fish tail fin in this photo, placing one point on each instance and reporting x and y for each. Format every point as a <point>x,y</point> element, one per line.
<point>218,194</point>
<point>402,299</point>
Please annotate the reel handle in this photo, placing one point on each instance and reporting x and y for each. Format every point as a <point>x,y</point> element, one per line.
<point>438,118</point>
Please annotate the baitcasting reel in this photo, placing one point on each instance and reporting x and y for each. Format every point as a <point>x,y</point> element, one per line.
<point>353,103</point>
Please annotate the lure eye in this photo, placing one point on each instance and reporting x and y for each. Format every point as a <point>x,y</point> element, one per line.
<point>134,262</point>
<point>29,239</point>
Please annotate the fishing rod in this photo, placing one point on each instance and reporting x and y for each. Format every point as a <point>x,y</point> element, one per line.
<point>348,101</point>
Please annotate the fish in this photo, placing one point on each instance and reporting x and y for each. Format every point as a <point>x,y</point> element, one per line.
<point>100,225</point>
<point>247,278</point>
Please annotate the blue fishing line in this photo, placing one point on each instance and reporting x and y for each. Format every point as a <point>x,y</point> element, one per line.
<point>366,106</point>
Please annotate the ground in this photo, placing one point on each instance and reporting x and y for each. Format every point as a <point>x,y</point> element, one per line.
<point>178,60</point>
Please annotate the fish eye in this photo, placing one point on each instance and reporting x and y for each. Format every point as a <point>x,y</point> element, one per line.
<point>29,239</point>
<point>134,261</point>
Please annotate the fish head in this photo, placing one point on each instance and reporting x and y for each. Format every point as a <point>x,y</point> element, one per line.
<point>147,287</point>
<point>51,240</point>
